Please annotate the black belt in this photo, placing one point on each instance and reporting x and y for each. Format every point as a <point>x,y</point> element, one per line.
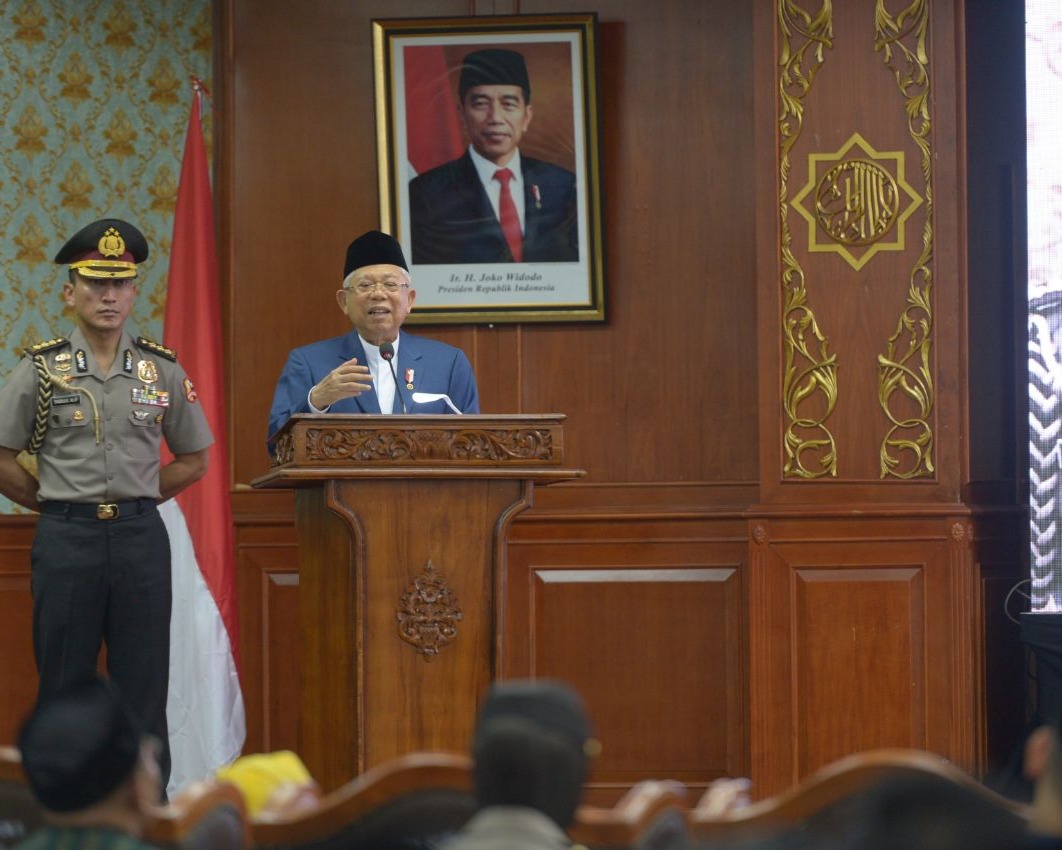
<point>100,510</point>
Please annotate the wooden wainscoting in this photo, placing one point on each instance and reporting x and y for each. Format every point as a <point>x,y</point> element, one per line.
<point>267,560</point>
<point>644,613</point>
<point>18,673</point>
<point>866,633</point>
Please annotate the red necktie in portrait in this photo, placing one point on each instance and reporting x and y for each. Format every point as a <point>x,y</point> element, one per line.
<point>510,221</point>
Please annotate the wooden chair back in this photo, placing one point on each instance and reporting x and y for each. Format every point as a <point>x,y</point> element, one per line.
<point>415,800</point>
<point>207,815</point>
<point>821,808</point>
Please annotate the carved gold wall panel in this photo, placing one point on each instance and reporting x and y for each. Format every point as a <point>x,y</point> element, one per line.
<point>809,382</point>
<point>856,202</point>
<point>95,99</point>
<point>905,377</point>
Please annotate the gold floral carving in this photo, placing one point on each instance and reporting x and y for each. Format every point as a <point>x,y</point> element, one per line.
<point>809,383</point>
<point>428,613</point>
<point>365,446</point>
<point>905,379</point>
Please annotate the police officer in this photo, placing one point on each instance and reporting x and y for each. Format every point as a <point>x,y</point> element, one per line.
<point>94,408</point>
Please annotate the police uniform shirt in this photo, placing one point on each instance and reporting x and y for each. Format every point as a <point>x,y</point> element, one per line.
<point>146,397</point>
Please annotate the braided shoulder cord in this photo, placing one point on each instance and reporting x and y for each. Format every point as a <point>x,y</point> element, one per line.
<point>45,380</point>
<point>44,400</point>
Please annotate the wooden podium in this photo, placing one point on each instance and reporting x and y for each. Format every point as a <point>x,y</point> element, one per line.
<point>402,522</point>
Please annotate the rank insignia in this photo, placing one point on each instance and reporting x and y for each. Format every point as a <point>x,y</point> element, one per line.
<point>189,391</point>
<point>81,360</point>
<point>47,345</point>
<point>151,395</point>
<point>63,362</point>
<point>153,346</point>
<point>409,379</point>
<point>147,371</point>
<point>78,415</point>
<point>127,362</point>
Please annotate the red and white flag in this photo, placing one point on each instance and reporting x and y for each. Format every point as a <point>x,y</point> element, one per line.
<point>433,132</point>
<point>205,707</point>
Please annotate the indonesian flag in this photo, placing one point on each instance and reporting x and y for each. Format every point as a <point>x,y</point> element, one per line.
<point>433,131</point>
<point>205,707</point>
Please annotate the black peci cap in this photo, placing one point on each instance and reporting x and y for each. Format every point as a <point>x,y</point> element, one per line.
<point>79,745</point>
<point>494,67</point>
<point>372,249</point>
<point>108,248</point>
<point>545,703</point>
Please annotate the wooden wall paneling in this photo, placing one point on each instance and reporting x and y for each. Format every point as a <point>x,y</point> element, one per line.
<point>268,587</point>
<point>645,616</point>
<point>862,635</point>
<point>661,392</point>
<point>18,673</point>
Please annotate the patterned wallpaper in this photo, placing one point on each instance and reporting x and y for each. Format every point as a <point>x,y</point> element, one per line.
<point>94,101</point>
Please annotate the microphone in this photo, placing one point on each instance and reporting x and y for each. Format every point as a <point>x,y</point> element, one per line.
<point>387,352</point>
<point>423,398</point>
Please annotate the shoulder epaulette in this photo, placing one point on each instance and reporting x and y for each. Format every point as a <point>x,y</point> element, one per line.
<point>158,348</point>
<point>47,345</point>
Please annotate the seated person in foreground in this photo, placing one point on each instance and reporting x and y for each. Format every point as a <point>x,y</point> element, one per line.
<point>1042,764</point>
<point>531,752</point>
<point>91,768</point>
<point>353,373</point>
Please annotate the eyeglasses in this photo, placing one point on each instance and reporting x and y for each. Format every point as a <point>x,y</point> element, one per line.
<point>365,287</point>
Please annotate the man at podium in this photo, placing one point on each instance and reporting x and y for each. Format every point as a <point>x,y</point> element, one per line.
<point>374,368</point>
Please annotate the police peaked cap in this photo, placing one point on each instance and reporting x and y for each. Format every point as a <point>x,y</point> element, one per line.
<point>108,248</point>
<point>372,249</point>
<point>494,67</point>
<point>79,745</point>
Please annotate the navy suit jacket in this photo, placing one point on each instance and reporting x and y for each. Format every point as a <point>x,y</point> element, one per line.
<point>452,220</point>
<point>437,368</point>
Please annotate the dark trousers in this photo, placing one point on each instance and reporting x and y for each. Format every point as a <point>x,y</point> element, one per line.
<point>98,582</point>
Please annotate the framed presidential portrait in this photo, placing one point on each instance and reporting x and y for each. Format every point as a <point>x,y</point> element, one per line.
<point>489,165</point>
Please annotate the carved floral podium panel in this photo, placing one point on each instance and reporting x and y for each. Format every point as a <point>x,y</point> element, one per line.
<point>402,523</point>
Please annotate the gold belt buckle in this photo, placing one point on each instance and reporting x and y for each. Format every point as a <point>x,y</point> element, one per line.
<point>106,511</point>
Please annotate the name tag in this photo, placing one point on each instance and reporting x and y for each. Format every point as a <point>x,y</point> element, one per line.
<point>66,398</point>
<point>152,396</point>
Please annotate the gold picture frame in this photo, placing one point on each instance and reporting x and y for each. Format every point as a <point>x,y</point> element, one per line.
<point>440,138</point>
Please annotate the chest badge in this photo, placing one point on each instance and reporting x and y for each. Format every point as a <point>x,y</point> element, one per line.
<point>78,416</point>
<point>63,362</point>
<point>147,371</point>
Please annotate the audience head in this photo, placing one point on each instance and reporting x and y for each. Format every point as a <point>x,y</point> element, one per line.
<point>1042,764</point>
<point>531,748</point>
<point>83,751</point>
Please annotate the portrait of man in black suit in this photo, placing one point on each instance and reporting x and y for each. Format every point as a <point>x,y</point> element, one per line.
<point>494,203</point>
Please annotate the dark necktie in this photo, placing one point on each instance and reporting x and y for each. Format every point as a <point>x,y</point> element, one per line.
<point>510,221</point>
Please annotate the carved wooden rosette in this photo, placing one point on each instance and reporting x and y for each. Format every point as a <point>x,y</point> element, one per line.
<point>428,613</point>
